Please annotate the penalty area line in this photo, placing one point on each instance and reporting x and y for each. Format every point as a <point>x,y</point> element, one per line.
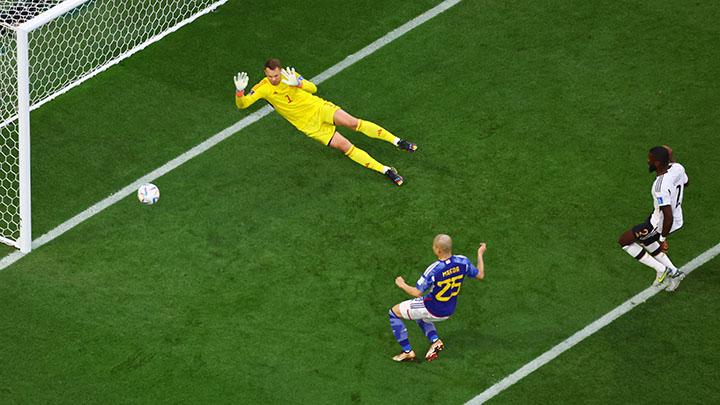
<point>590,329</point>
<point>226,133</point>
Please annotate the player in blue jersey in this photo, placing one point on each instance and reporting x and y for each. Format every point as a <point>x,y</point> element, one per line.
<point>440,284</point>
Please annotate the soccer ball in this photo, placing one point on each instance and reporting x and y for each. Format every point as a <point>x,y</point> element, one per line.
<point>148,194</point>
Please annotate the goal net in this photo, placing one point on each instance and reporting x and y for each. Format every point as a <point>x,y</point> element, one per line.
<point>47,47</point>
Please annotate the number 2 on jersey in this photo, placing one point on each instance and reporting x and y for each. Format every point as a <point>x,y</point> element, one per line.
<point>679,195</point>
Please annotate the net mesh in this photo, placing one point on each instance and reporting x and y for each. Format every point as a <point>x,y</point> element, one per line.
<point>66,51</point>
<point>16,12</point>
<point>88,37</point>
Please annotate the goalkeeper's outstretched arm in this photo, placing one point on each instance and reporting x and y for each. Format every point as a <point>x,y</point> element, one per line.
<point>243,101</point>
<point>294,79</point>
<point>308,86</point>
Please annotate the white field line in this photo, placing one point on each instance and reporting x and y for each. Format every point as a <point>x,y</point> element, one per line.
<point>225,133</point>
<point>579,336</point>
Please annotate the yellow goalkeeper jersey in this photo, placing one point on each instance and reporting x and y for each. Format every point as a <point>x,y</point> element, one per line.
<point>296,104</point>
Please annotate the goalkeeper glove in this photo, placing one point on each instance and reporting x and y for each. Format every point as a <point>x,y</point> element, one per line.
<point>241,81</point>
<point>290,77</point>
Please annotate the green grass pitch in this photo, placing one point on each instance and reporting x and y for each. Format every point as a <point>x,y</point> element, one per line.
<point>265,273</point>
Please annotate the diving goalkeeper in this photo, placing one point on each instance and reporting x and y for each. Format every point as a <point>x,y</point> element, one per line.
<point>292,97</point>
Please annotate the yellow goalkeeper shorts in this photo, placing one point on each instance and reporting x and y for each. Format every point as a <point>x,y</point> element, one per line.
<point>325,120</point>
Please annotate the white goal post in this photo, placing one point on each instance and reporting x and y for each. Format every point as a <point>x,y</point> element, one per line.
<point>47,47</point>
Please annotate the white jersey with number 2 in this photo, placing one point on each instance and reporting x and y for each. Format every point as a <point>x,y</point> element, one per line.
<point>668,189</point>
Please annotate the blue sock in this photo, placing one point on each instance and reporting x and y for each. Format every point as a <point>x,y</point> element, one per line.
<point>400,331</point>
<point>429,330</point>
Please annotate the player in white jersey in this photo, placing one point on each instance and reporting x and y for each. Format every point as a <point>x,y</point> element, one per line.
<point>650,236</point>
<point>680,181</point>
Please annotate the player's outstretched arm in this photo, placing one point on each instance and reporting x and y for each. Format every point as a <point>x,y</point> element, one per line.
<point>410,290</point>
<point>294,79</point>
<point>241,100</point>
<point>481,262</point>
<point>308,86</point>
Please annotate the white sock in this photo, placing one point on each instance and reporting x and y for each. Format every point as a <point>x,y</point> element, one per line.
<point>659,255</point>
<point>396,141</point>
<point>651,262</point>
<point>640,255</point>
<point>665,260</point>
<point>385,169</point>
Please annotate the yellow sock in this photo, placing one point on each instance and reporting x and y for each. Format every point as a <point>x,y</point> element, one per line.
<point>361,157</point>
<point>373,130</point>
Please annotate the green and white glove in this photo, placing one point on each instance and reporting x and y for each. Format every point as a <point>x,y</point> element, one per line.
<point>241,81</point>
<point>290,77</point>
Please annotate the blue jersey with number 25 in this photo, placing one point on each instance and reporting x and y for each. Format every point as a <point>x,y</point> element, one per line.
<point>442,281</point>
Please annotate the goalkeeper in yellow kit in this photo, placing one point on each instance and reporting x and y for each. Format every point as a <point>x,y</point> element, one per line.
<point>292,97</point>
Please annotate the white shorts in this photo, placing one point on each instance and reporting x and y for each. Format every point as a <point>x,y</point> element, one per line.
<point>414,309</point>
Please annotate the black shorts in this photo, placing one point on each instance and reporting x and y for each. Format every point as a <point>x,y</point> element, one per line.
<point>645,232</point>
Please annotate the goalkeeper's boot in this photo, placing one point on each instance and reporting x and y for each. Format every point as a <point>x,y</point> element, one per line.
<point>675,280</point>
<point>405,145</point>
<point>435,348</point>
<point>394,176</point>
<point>405,356</point>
